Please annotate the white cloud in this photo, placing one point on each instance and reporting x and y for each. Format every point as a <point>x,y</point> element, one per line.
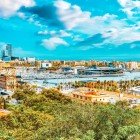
<point>100,24</point>
<point>121,35</point>
<point>53,42</point>
<point>116,32</point>
<point>70,15</point>
<point>64,33</point>
<point>129,5</point>
<point>32,19</point>
<point>45,32</point>
<point>21,15</point>
<point>77,38</point>
<point>60,33</point>
<point>21,52</point>
<point>53,33</point>
<point>10,7</point>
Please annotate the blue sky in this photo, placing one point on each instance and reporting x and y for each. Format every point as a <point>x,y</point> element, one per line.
<point>72,29</point>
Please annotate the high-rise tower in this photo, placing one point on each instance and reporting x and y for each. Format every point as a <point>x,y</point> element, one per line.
<point>7,52</point>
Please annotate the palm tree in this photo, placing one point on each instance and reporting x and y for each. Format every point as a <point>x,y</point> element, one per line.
<point>2,103</point>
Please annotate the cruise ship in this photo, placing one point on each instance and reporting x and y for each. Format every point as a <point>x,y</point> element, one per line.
<point>102,71</point>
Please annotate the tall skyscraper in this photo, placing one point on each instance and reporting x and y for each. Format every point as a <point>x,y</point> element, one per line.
<point>7,52</point>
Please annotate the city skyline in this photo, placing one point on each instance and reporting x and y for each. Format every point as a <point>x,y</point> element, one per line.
<point>71,30</point>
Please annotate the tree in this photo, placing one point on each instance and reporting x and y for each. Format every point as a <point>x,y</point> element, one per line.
<point>53,116</point>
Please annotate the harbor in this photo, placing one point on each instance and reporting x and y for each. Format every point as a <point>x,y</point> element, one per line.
<point>54,82</point>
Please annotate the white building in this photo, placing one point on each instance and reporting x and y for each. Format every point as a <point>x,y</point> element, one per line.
<point>46,65</point>
<point>30,59</point>
<point>132,65</point>
<point>135,90</point>
<point>77,68</point>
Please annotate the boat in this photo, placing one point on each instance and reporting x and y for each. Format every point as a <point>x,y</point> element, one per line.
<point>45,82</point>
<point>137,78</point>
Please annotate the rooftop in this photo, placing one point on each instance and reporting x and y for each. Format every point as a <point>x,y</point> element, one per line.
<point>4,112</point>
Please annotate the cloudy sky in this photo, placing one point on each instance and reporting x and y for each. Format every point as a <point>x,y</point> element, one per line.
<point>71,29</point>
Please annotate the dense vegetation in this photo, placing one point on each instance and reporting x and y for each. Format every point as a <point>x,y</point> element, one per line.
<point>121,86</point>
<point>52,116</point>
